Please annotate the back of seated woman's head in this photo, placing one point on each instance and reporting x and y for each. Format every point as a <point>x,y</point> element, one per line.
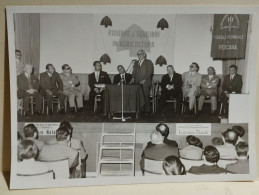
<point>173,166</point>
<point>230,136</point>
<point>27,149</point>
<point>239,130</point>
<point>195,141</point>
<point>163,129</point>
<point>216,141</point>
<point>211,154</point>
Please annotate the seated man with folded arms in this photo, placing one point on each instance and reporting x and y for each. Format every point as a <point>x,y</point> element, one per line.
<point>51,84</point>
<point>70,84</point>
<point>240,132</point>
<point>31,132</point>
<point>122,76</point>
<point>28,86</point>
<point>158,150</point>
<point>209,89</point>
<point>173,166</point>
<point>75,144</point>
<point>242,164</point>
<point>27,154</point>
<point>164,130</point>
<point>227,150</point>
<point>193,150</point>
<point>211,157</point>
<point>60,150</point>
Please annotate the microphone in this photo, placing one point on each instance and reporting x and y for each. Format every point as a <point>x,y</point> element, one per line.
<point>134,60</point>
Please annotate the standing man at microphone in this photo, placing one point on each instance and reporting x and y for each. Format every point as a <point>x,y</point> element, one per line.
<point>143,70</point>
<point>122,76</point>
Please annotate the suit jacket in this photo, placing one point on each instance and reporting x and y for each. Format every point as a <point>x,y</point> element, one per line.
<point>23,85</point>
<point>117,78</point>
<point>176,81</point>
<point>210,85</point>
<point>227,151</point>
<point>191,152</point>
<point>103,79</point>
<point>46,83</point>
<point>143,72</point>
<point>232,86</point>
<point>240,167</point>
<point>206,169</point>
<point>194,79</point>
<point>166,141</point>
<point>66,80</point>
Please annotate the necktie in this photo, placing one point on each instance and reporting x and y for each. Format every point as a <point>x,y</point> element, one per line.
<point>231,77</point>
<point>50,77</point>
<point>97,76</point>
<point>29,82</point>
<point>171,78</point>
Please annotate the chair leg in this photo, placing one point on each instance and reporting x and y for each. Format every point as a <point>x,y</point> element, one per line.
<point>95,104</point>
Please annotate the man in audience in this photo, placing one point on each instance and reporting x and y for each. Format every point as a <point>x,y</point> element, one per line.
<point>193,150</point>
<point>28,86</point>
<point>172,165</point>
<point>52,85</point>
<point>19,63</point>
<point>211,157</point>
<point>75,144</point>
<point>171,85</point>
<point>31,132</point>
<point>209,89</point>
<point>97,77</point>
<point>143,70</point>
<point>242,164</point>
<point>28,153</point>
<point>191,85</point>
<point>60,150</point>
<point>70,84</point>
<point>122,76</point>
<point>227,150</point>
<point>240,132</point>
<point>158,150</point>
<point>232,84</point>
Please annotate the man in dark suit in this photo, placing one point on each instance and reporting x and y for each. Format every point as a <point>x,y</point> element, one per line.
<point>143,70</point>
<point>52,85</point>
<point>97,77</point>
<point>171,85</point>
<point>122,76</point>
<point>28,86</point>
<point>232,84</point>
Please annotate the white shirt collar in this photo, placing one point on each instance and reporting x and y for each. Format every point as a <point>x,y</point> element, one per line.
<point>27,75</point>
<point>50,75</point>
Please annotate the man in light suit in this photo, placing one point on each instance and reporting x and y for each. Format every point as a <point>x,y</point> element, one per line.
<point>28,86</point>
<point>126,77</point>
<point>143,70</point>
<point>232,84</point>
<point>191,85</point>
<point>209,88</point>
<point>51,84</point>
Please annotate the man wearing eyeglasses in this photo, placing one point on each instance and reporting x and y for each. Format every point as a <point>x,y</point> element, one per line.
<point>191,85</point>
<point>70,84</point>
<point>143,70</point>
<point>19,63</point>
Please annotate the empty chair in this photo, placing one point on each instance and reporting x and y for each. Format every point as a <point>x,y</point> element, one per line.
<point>224,162</point>
<point>153,167</point>
<point>38,177</point>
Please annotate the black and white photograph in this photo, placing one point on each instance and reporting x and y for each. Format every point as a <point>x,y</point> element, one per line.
<point>106,95</point>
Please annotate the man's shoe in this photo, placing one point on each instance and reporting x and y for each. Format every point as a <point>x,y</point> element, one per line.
<point>51,113</point>
<point>80,110</point>
<point>62,111</point>
<point>37,113</point>
<point>27,114</point>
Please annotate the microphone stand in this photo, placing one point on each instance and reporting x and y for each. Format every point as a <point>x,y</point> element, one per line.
<point>122,118</point>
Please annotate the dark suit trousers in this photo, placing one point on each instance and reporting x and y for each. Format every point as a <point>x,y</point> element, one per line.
<point>167,94</point>
<point>92,95</point>
<point>26,100</point>
<point>224,100</point>
<point>60,95</point>
<point>146,90</point>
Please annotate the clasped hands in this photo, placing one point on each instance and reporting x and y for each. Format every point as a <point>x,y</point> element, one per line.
<point>31,91</point>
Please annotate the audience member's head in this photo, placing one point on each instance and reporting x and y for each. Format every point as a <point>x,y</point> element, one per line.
<point>242,150</point>
<point>211,154</point>
<point>156,138</point>
<point>170,69</point>
<point>18,54</point>
<point>97,66</point>
<point>163,129</point>
<point>50,68</point>
<point>27,149</point>
<point>194,67</point>
<point>121,69</point>
<point>195,141</point>
<point>239,130</point>
<point>232,69</point>
<point>230,136</point>
<point>28,68</point>
<point>211,70</point>
<point>63,134</point>
<point>30,130</point>
<point>173,166</point>
<point>216,141</point>
<point>66,124</point>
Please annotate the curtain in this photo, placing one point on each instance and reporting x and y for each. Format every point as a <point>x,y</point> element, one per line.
<point>27,38</point>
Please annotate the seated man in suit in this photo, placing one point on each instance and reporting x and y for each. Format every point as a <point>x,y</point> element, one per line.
<point>31,133</point>
<point>76,144</point>
<point>227,150</point>
<point>51,84</point>
<point>164,130</point>
<point>28,86</point>
<point>159,150</point>
<point>232,84</point>
<point>122,76</point>
<point>60,150</point>
<point>193,150</point>
<point>242,164</point>
<point>19,63</point>
<point>97,77</point>
<point>211,157</point>
<point>209,89</point>
<point>70,84</point>
<point>191,85</point>
<point>171,85</point>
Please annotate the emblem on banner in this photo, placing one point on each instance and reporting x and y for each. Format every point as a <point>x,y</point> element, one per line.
<point>161,61</point>
<point>105,59</point>
<point>230,22</point>
<point>106,21</point>
<point>162,24</point>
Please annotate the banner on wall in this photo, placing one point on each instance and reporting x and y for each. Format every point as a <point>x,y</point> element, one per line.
<point>229,36</point>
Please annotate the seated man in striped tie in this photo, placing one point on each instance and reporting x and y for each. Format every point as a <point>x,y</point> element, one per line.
<point>122,76</point>
<point>28,86</point>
